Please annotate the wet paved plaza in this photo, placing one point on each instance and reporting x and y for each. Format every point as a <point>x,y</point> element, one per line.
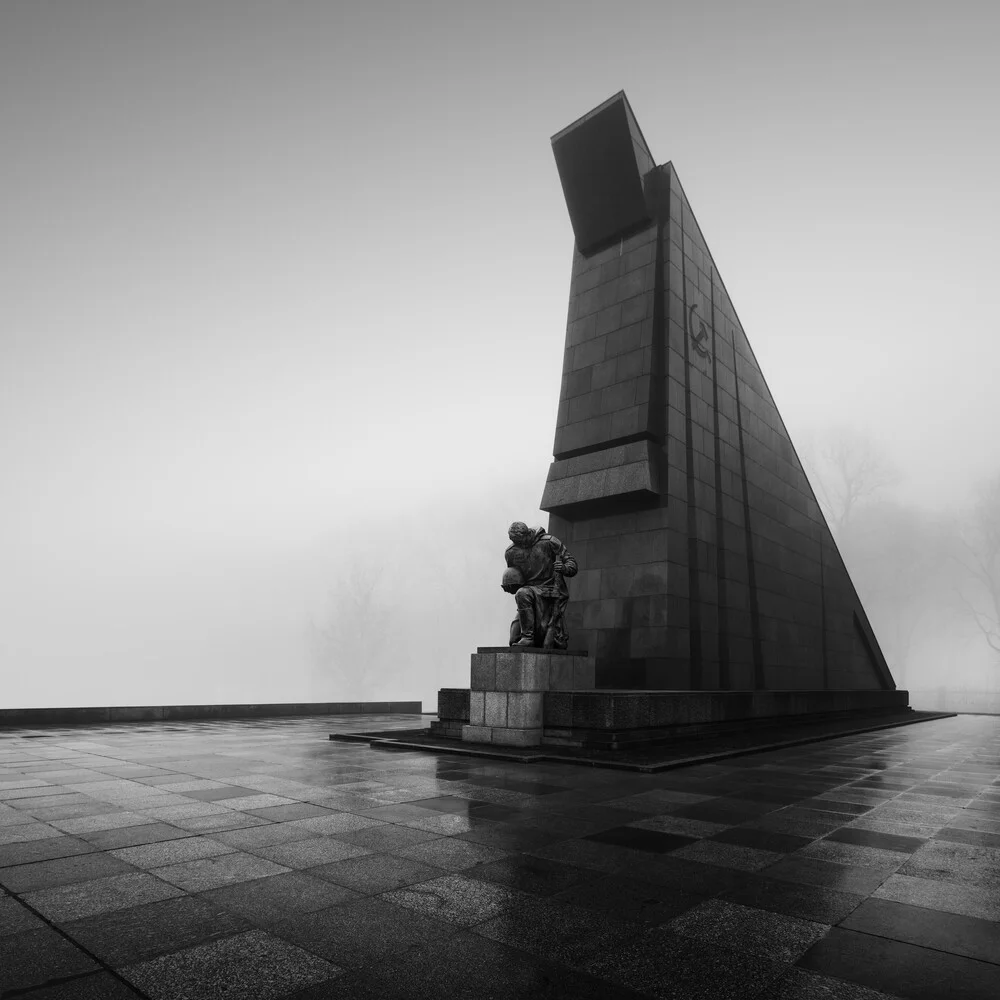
<point>258,859</point>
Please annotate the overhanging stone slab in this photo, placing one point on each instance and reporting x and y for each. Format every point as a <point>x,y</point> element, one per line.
<point>623,471</point>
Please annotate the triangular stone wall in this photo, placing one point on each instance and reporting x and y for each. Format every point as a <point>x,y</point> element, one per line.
<point>705,561</point>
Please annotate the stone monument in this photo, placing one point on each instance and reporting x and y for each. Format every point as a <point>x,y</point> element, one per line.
<point>708,589</point>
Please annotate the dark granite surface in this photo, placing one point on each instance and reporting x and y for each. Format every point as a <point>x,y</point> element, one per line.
<point>258,859</point>
<point>705,562</point>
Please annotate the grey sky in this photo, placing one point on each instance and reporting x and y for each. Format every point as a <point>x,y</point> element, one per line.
<point>273,269</point>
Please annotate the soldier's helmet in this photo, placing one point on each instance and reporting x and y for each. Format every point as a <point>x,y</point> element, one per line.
<point>512,579</point>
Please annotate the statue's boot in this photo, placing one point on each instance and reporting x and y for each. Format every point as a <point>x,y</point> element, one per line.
<point>526,620</point>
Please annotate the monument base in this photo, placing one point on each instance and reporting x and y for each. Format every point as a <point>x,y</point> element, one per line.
<point>614,720</point>
<point>523,697</point>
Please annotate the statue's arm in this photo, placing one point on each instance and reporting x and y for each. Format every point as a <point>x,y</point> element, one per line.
<point>563,555</point>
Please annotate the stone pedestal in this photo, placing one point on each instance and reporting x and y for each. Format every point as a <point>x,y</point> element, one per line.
<point>509,683</point>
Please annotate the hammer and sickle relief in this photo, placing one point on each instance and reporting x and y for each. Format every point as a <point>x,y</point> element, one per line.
<point>698,339</point>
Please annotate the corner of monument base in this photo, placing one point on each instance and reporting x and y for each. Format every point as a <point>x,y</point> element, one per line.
<point>502,736</point>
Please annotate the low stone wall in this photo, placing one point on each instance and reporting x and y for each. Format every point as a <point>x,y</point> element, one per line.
<point>162,713</point>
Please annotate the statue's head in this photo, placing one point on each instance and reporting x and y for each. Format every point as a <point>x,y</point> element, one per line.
<point>519,533</point>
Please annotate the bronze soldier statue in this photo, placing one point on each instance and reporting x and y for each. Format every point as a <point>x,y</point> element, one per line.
<point>537,565</point>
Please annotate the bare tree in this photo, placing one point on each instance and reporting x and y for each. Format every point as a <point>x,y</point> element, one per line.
<point>979,556</point>
<point>351,636</point>
<point>847,469</point>
<point>898,558</point>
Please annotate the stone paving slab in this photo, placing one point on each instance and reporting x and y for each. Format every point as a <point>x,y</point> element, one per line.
<point>863,867</point>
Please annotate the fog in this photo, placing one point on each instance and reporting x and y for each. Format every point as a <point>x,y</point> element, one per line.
<point>284,295</point>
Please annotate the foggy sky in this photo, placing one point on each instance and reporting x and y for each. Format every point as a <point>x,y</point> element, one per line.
<point>278,278</point>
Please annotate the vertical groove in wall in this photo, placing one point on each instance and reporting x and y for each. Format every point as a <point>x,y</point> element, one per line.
<point>720,549</point>
<point>694,588</point>
<point>657,368</point>
<point>657,376</point>
<point>822,612</point>
<point>758,653</point>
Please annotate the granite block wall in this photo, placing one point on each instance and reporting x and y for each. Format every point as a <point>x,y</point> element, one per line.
<point>705,561</point>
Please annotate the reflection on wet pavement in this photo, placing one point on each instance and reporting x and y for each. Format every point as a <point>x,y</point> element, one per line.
<point>259,858</point>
